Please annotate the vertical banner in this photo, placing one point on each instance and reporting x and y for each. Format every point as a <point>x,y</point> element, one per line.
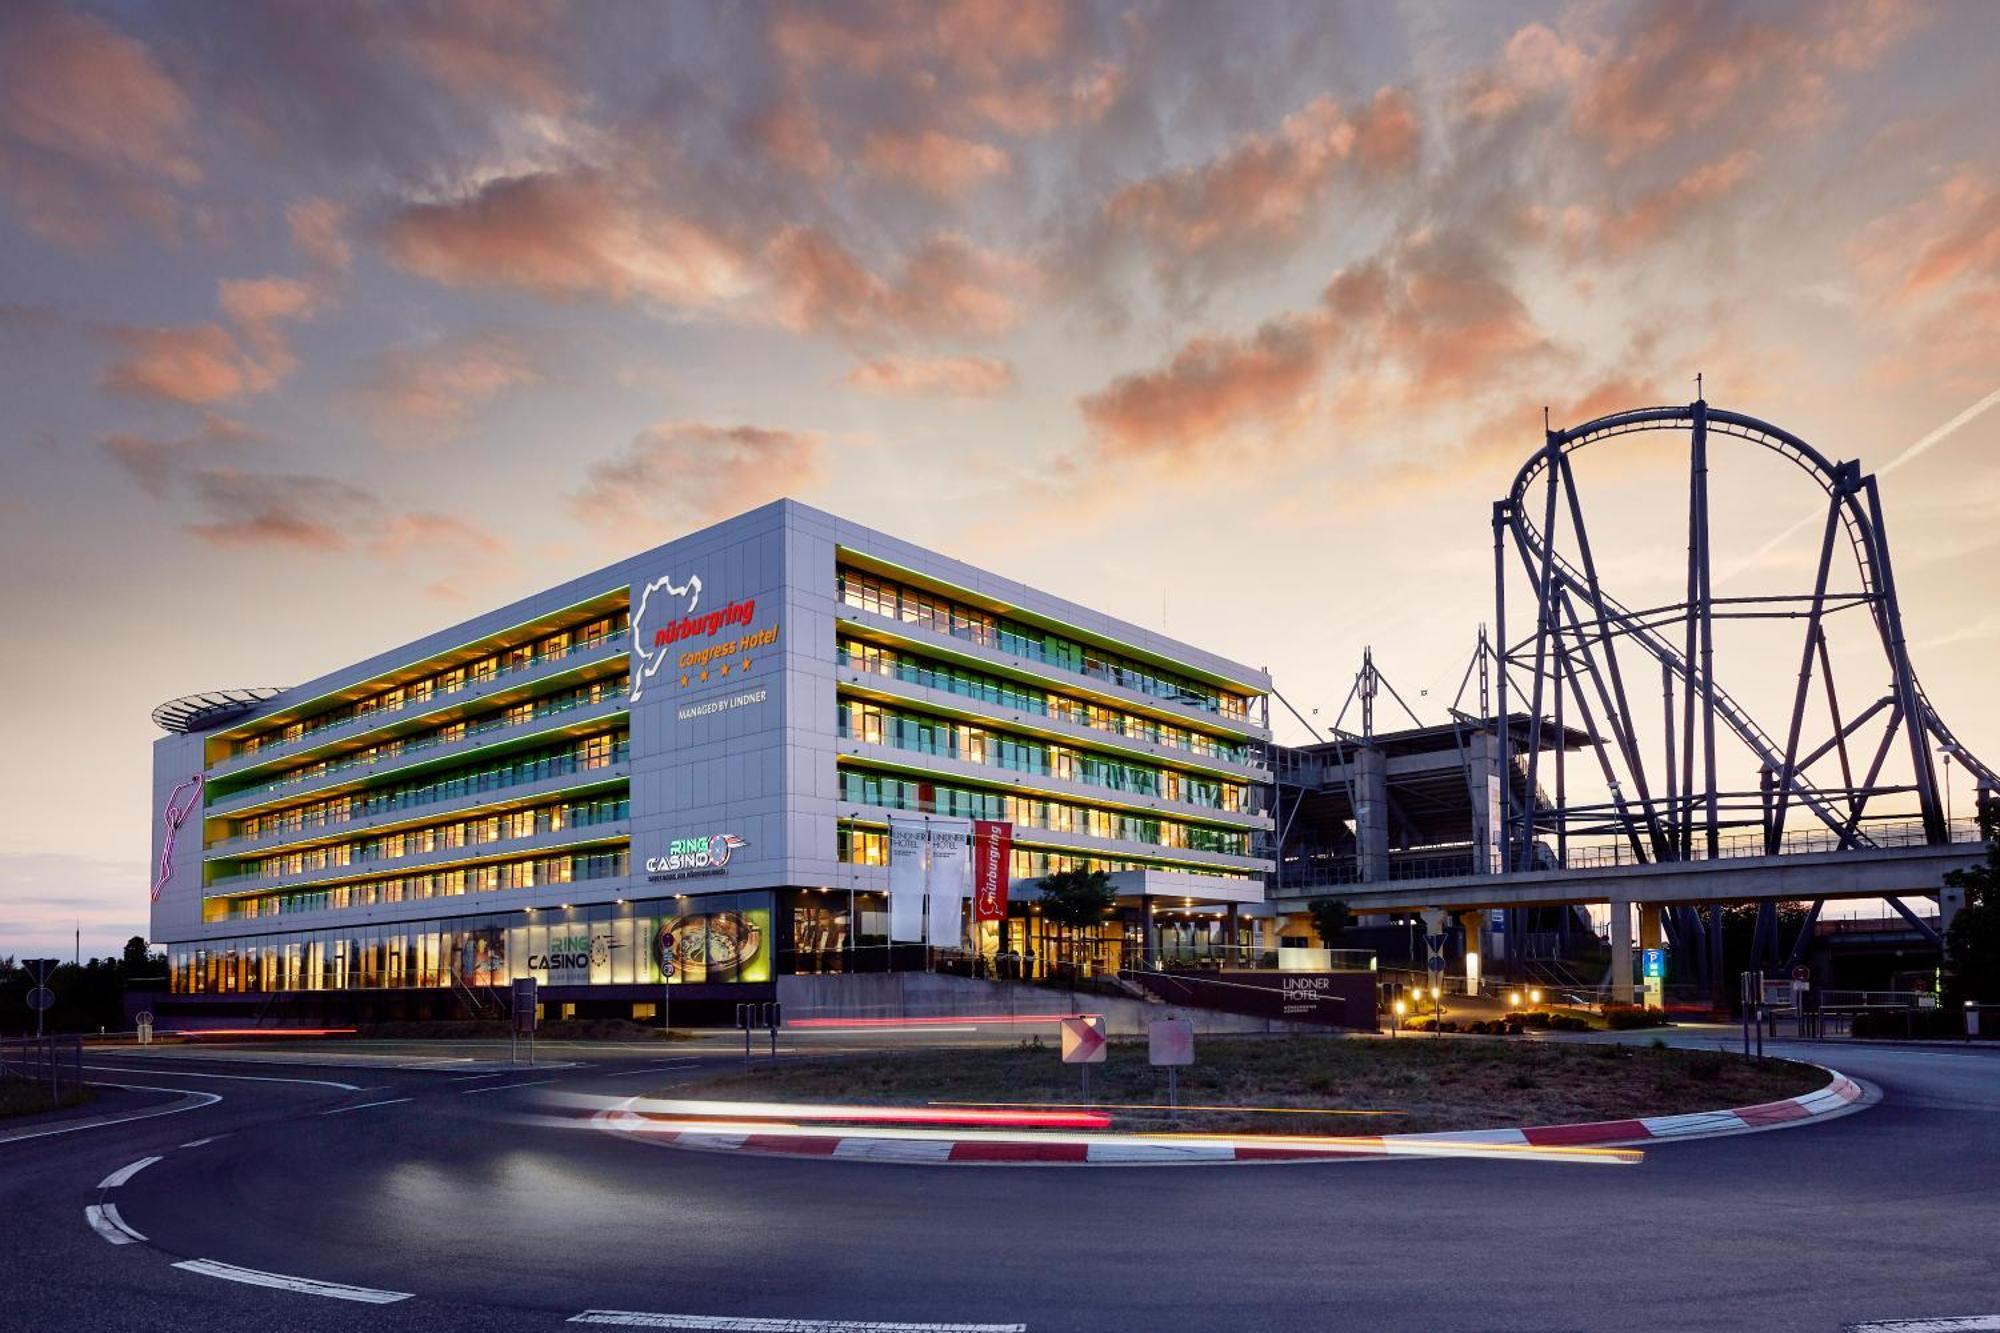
<point>908,845</point>
<point>950,876</point>
<point>992,856</point>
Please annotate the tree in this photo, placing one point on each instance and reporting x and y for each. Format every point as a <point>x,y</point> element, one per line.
<point>137,960</point>
<point>1972,945</point>
<point>1330,918</point>
<point>1076,899</point>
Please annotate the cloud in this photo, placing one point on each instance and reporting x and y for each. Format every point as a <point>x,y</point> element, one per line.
<point>279,509</point>
<point>946,376</point>
<point>92,126</point>
<point>1680,69</point>
<point>260,307</point>
<point>948,286</point>
<point>432,390</point>
<point>194,365</point>
<point>1253,202</point>
<point>1932,270</point>
<point>158,465</point>
<point>490,49</point>
<point>1430,323</point>
<point>1211,386</point>
<point>790,135</point>
<point>566,235</point>
<point>447,532</point>
<point>318,233</point>
<point>937,163</point>
<point>1659,211</point>
<point>689,471</point>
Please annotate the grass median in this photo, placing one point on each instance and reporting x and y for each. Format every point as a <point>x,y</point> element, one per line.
<point>1298,1085</point>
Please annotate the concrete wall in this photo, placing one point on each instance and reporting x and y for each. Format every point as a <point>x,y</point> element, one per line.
<point>929,995</point>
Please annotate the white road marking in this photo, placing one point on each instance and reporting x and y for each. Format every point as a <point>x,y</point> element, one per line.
<point>125,1173</point>
<point>653,1069</point>
<point>467,1078</point>
<point>247,1078</point>
<point>106,1222</point>
<point>343,1110</point>
<point>502,1087</point>
<point>746,1324</point>
<point>1977,1323</point>
<point>337,1290</point>
<point>197,1143</point>
<point>191,1101</point>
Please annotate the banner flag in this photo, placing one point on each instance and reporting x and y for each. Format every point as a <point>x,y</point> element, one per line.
<point>909,845</point>
<point>950,876</point>
<point>992,860</point>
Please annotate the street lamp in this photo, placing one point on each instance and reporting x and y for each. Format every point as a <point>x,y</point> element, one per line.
<point>1437,998</point>
<point>1514,1000</point>
<point>1534,997</point>
<point>1402,1008</point>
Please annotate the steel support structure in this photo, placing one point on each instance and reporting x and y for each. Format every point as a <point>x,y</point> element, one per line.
<point>1669,790</point>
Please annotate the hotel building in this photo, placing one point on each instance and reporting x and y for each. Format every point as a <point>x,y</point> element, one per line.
<point>685,763</point>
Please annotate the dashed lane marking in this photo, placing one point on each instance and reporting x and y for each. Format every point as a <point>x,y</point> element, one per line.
<point>343,1110</point>
<point>502,1087</point>
<point>1977,1323</point>
<point>245,1078</point>
<point>339,1291</point>
<point>702,1323</point>
<point>125,1173</point>
<point>105,1221</point>
<point>467,1078</point>
<point>200,1143</point>
<point>654,1069</point>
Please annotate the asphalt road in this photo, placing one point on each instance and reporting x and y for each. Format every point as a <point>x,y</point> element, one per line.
<point>438,1177</point>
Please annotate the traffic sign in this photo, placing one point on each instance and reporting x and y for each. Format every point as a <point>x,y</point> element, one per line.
<point>40,998</point>
<point>526,998</point>
<point>1083,1040</point>
<point>1654,964</point>
<point>1801,973</point>
<point>1170,1041</point>
<point>665,953</point>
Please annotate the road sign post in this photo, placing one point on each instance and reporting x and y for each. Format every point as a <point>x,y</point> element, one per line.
<point>527,998</point>
<point>1653,970</point>
<point>40,998</point>
<point>1083,1044</point>
<point>1170,1042</point>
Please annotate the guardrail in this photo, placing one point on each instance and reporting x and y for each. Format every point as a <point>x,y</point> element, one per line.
<point>56,1062</point>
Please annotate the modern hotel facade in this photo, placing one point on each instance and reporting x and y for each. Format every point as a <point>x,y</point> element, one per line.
<point>679,771</point>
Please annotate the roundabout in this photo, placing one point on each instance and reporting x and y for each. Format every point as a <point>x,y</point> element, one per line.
<point>445,1200</point>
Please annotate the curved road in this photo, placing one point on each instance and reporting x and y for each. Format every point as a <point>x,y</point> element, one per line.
<point>446,1185</point>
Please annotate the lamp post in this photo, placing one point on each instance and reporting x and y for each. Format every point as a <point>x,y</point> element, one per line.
<point>1397,1026</point>
<point>1437,999</point>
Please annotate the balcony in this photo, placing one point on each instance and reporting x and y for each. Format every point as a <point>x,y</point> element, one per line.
<point>578,835</point>
<point>357,772</point>
<point>515,785</point>
<point>940,762</point>
<point>984,651</point>
<point>1025,835</point>
<point>536,671</point>
<point>902,688</point>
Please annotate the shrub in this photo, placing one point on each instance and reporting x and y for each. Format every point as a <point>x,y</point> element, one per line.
<point>1567,1023</point>
<point>1626,1017</point>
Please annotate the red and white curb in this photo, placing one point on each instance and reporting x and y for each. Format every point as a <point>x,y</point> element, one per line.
<point>1593,1142</point>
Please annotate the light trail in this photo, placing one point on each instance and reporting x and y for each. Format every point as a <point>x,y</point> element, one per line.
<point>939,1021</point>
<point>1183,1106</point>
<point>887,1115</point>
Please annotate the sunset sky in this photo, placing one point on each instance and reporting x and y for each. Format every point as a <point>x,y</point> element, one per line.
<point>327,324</point>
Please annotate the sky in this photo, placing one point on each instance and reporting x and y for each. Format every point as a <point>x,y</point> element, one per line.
<point>322,326</point>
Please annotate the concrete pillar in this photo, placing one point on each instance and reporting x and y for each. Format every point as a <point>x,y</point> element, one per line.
<point>1371,814</point>
<point>1621,951</point>
<point>1473,924</point>
<point>1650,934</point>
<point>1482,780</point>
